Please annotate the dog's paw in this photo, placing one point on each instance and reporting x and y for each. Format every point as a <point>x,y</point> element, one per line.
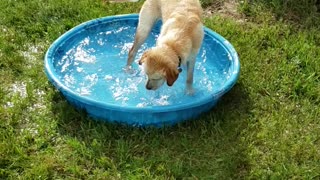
<point>129,70</point>
<point>189,91</point>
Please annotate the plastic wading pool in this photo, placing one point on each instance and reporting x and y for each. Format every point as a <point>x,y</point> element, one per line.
<point>86,65</point>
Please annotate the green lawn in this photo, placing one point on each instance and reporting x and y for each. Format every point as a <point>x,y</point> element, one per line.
<point>267,127</point>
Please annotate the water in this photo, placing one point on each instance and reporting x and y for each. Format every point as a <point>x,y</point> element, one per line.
<point>90,63</point>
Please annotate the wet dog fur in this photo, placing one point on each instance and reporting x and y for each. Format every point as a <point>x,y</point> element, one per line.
<point>178,43</point>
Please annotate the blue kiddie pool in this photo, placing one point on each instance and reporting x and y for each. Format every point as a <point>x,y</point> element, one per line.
<point>86,65</point>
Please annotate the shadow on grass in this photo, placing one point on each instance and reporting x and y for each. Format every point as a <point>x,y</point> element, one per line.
<point>209,147</point>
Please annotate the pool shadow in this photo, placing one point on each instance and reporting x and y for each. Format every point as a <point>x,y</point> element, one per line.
<point>209,147</point>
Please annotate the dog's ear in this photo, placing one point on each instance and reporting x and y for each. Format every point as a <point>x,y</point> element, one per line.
<point>171,76</point>
<point>143,57</point>
<point>141,61</point>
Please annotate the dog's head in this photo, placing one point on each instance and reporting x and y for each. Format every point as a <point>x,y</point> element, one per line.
<point>159,68</point>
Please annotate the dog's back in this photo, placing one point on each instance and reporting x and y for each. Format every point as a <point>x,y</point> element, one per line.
<point>184,8</point>
<point>182,26</point>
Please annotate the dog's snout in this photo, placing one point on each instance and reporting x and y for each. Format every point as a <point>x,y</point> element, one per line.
<point>148,86</point>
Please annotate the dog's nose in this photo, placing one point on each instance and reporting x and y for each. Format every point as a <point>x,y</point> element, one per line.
<point>148,87</point>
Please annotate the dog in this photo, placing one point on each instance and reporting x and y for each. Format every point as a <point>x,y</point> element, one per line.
<point>179,41</point>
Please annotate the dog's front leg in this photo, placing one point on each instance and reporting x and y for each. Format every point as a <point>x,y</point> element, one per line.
<point>148,16</point>
<point>190,71</point>
<point>141,35</point>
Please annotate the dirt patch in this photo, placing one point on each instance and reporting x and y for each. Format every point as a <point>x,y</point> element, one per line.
<point>227,8</point>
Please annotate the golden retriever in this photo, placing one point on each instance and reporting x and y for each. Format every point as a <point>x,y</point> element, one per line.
<point>178,43</point>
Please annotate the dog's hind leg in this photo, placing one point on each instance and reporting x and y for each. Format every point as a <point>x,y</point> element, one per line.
<point>149,14</point>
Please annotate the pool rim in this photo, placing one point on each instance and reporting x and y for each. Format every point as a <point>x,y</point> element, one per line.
<point>53,76</point>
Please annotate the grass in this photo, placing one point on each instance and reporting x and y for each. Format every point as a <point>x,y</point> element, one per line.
<point>267,127</point>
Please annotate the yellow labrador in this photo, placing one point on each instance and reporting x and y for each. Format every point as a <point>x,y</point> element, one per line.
<point>178,43</point>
